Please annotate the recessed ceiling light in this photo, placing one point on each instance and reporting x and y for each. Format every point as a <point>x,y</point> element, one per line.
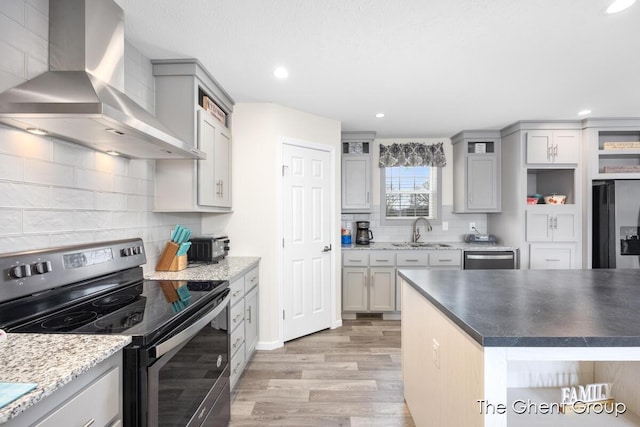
<point>584,112</point>
<point>113,153</point>
<point>380,115</point>
<point>281,73</point>
<point>620,5</point>
<point>37,131</point>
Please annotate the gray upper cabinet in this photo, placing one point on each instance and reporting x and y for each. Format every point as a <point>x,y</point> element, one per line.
<point>185,92</point>
<point>356,171</point>
<point>476,171</point>
<point>553,146</point>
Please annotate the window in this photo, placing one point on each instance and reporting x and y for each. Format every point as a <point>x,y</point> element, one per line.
<point>410,192</point>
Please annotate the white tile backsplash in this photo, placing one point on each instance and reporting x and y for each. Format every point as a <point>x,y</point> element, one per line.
<point>458,227</point>
<point>57,193</point>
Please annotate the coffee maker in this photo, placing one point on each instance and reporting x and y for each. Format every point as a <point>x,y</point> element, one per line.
<point>363,234</point>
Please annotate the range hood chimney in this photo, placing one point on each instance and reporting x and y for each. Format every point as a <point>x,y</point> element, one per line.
<point>81,98</point>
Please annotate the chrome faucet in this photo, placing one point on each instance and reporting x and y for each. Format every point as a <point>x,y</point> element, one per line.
<point>416,233</point>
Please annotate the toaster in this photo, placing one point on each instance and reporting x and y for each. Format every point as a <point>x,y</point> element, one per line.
<point>208,249</point>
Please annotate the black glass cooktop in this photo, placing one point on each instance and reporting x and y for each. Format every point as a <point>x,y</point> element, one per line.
<point>142,310</point>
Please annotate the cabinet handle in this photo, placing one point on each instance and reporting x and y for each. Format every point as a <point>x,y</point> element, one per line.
<point>235,294</point>
<point>235,344</point>
<point>411,260</point>
<point>235,319</point>
<point>89,423</point>
<point>555,222</point>
<point>354,260</point>
<point>555,151</point>
<point>549,151</point>
<point>551,259</point>
<point>249,318</point>
<point>446,260</point>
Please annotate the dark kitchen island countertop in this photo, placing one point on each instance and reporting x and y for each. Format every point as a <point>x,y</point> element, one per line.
<point>537,308</point>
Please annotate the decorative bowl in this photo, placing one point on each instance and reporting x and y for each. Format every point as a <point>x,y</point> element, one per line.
<point>532,200</point>
<point>555,199</point>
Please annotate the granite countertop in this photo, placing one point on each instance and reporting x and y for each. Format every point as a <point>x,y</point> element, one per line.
<point>227,269</point>
<point>51,361</point>
<point>450,246</point>
<point>537,308</point>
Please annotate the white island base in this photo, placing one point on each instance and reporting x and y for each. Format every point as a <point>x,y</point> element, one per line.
<point>452,380</point>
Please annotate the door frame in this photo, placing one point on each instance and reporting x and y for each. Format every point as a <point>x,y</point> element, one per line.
<point>335,321</point>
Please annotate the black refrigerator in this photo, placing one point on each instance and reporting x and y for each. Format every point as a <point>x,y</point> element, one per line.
<point>616,224</point>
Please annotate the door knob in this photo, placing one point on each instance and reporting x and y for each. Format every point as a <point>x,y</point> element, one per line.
<point>326,248</point>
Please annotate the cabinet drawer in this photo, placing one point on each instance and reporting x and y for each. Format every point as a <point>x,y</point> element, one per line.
<point>97,404</point>
<point>382,258</point>
<point>355,258</point>
<point>237,291</point>
<point>552,257</point>
<point>445,259</point>
<point>236,366</point>
<point>236,339</point>
<point>412,258</point>
<point>250,280</point>
<point>236,315</point>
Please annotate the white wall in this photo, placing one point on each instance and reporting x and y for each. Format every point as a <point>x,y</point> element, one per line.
<point>56,193</point>
<point>254,227</point>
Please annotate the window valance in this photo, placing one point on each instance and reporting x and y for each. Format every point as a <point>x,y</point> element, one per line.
<point>412,154</point>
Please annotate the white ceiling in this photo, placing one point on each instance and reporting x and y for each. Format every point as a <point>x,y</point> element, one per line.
<point>434,67</point>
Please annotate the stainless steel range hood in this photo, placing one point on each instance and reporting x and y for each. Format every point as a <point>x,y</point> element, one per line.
<point>82,98</point>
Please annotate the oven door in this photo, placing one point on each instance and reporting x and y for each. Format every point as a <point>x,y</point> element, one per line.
<point>188,384</point>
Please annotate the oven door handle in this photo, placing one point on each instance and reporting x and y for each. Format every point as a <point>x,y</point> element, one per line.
<point>184,336</point>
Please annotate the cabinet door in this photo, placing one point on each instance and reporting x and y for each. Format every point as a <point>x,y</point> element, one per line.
<point>538,226</point>
<point>566,146</point>
<point>564,227</point>
<point>539,147</point>
<point>207,132</point>
<point>354,289</point>
<point>214,185</point>
<point>356,182</point>
<point>482,182</point>
<point>551,257</point>
<point>222,175</point>
<point>382,289</point>
<point>251,322</point>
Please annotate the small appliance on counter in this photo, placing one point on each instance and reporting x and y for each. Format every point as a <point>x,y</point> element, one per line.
<point>478,237</point>
<point>363,235</point>
<point>208,249</point>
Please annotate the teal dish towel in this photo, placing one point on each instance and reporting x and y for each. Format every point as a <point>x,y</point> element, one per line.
<point>11,391</point>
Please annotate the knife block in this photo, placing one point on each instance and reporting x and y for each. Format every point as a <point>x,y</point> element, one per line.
<point>169,261</point>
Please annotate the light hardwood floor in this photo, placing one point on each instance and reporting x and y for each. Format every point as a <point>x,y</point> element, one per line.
<point>348,376</point>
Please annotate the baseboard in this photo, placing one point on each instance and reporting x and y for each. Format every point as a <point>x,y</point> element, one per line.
<point>348,316</point>
<point>391,316</point>
<point>271,345</point>
<point>337,324</point>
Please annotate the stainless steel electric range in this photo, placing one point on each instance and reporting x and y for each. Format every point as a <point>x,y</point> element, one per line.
<point>176,370</point>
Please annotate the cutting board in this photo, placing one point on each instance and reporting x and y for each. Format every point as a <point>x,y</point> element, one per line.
<point>11,391</point>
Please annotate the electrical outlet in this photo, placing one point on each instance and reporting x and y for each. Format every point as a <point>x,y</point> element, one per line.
<point>472,225</point>
<point>445,225</point>
<point>435,349</point>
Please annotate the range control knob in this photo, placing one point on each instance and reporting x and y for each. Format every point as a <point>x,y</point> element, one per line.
<point>20,271</point>
<point>42,267</point>
<point>137,250</point>
<point>127,252</point>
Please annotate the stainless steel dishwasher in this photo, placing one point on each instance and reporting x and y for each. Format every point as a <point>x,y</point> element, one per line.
<point>489,260</point>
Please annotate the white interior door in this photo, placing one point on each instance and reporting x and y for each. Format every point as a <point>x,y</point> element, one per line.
<point>307,240</point>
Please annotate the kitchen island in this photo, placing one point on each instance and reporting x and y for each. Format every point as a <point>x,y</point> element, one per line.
<point>494,347</point>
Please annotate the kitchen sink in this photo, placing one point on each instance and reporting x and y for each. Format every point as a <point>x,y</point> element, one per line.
<point>421,245</point>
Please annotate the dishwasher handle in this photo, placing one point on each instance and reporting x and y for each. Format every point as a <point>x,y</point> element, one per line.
<point>473,256</point>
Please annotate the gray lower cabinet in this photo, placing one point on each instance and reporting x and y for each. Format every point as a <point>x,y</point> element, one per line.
<point>369,276</point>
<point>243,317</point>
<point>372,287</point>
<point>94,398</point>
